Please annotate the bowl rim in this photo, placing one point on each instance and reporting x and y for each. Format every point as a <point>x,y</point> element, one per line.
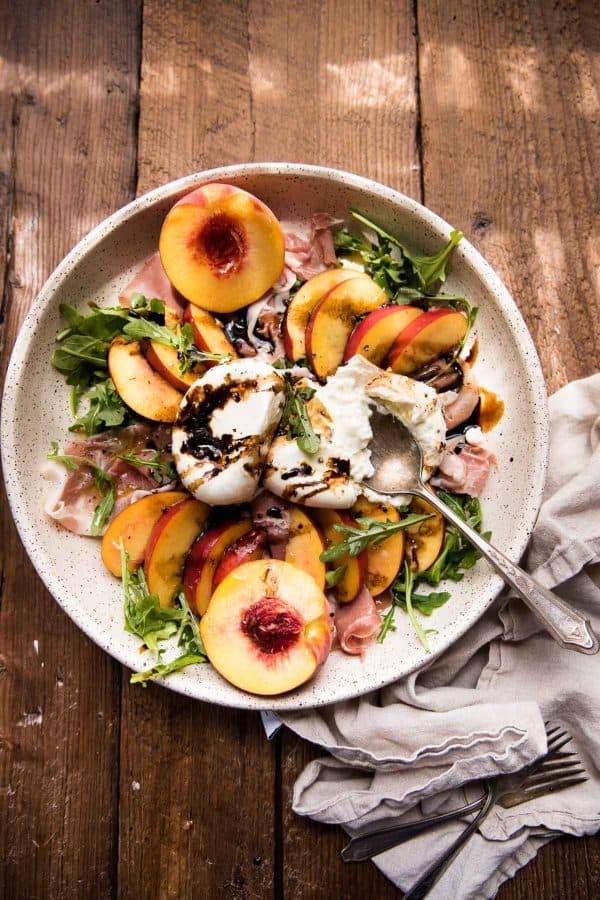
<point>490,280</point>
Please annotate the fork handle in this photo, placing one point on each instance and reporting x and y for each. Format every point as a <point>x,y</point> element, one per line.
<point>568,628</point>
<point>385,836</point>
<point>434,873</point>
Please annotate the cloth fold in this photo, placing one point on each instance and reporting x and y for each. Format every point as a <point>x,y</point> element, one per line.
<point>421,744</point>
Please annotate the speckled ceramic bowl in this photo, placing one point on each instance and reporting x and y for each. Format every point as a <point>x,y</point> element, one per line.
<point>35,411</point>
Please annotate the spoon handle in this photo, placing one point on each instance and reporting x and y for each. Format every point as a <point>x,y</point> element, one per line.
<point>568,628</point>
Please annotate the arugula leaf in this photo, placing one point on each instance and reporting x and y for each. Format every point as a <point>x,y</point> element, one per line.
<point>162,472</point>
<point>456,556</point>
<point>106,409</point>
<point>391,265</point>
<point>163,669</point>
<point>153,623</point>
<point>104,508</point>
<point>431,269</point>
<point>296,420</point>
<point>457,553</point>
<point>334,576</point>
<point>371,533</point>
<point>103,483</point>
<point>404,597</point>
<point>182,340</point>
<point>144,616</point>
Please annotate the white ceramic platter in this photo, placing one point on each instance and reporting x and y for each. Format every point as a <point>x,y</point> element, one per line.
<point>35,411</point>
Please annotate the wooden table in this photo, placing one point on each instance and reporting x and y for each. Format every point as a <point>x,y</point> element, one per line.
<point>487,111</point>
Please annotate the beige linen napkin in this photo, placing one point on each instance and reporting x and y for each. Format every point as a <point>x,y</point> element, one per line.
<point>478,710</point>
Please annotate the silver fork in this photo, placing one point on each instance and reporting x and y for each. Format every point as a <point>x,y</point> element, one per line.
<point>555,771</point>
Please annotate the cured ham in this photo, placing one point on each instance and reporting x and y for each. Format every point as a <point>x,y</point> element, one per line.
<point>308,255</point>
<point>151,281</point>
<point>271,514</point>
<point>464,471</point>
<point>357,623</point>
<point>462,406</point>
<point>72,494</point>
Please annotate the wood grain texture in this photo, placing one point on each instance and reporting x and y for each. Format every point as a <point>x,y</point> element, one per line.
<point>197,811</point>
<point>68,160</point>
<point>510,109</point>
<point>511,150</point>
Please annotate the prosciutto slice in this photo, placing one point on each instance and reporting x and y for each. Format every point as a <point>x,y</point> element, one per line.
<point>462,407</point>
<point>357,623</point>
<point>271,514</point>
<point>464,471</point>
<point>152,281</point>
<point>72,496</point>
<point>307,255</point>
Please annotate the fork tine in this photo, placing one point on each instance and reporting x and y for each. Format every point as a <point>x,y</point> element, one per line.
<point>559,742</point>
<point>553,787</point>
<point>559,765</point>
<point>551,778</point>
<point>514,798</point>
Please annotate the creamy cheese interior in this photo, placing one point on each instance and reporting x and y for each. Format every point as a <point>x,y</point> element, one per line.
<point>224,428</point>
<point>224,437</point>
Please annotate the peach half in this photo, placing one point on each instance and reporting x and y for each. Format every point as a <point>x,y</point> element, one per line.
<point>209,334</point>
<point>134,526</point>
<point>267,628</point>
<point>425,540</point>
<point>221,247</point>
<point>168,547</point>
<point>375,334</point>
<point>203,559</point>
<point>138,385</point>
<point>333,320</point>
<point>356,567</point>
<point>432,334</point>
<point>384,559</point>
<point>304,546</point>
<point>302,304</point>
<point>165,361</point>
<point>247,548</point>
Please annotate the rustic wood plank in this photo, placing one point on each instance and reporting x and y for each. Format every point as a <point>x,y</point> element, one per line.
<point>68,160</point>
<point>513,88</point>
<point>511,143</point>
<point>197,782</point>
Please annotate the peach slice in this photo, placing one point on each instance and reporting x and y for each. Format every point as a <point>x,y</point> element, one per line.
<point>168,547</point>
<point>246,549</point>
<point>356,566</point>
<point>204,558</point>
<point>221,247</point>
<point>267,627</point>
<point>166,362</point>
<point>138,385</point>
<point>304,546</point>
<point>384,560</point>
<point>425,540</point>
<point>333,319</point>
<point>303,303</point>
<point>134,526</point>
<point>432,334</point>
<point>209,334</point>
<point>376,333</point>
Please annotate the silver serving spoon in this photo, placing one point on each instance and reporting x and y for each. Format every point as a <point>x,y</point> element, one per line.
<point>398,464</point>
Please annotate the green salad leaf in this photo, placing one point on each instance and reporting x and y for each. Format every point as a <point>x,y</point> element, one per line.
<point>370,532</point>
<point>389,262</point>
<point>295,420</point>
<point>457,555</point>
<point>153,623</point>
<point>161,471</point>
